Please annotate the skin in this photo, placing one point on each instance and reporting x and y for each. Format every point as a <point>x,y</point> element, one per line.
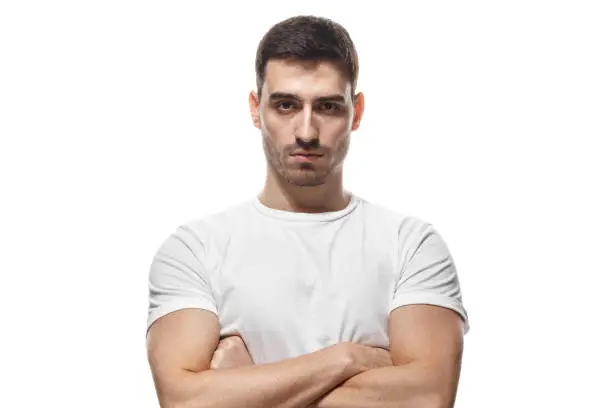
<point>309,106</point>
<point>231,352</point>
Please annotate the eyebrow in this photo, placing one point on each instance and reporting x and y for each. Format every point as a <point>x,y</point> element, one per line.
<point>325,98</point>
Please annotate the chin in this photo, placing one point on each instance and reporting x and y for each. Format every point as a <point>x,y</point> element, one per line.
<point>305,178</point>
<point>306,183</point>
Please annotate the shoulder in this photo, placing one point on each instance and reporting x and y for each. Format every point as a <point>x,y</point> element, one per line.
<point>409,231</point>
<point>402,221</point>
<point>210,232</point>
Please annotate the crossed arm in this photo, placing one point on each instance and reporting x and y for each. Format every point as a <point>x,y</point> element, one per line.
<point>426,345</point>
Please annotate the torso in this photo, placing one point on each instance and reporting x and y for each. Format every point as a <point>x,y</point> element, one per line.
<point>290,288</point>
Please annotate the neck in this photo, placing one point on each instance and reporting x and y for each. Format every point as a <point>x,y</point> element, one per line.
<point>327,197</point>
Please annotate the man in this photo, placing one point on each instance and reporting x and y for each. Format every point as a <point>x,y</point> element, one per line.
<point>306,295</point>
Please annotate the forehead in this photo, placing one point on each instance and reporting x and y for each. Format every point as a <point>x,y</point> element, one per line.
<point>308,79</point>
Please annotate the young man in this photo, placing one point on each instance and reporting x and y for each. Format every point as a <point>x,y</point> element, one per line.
<point>306,295</point>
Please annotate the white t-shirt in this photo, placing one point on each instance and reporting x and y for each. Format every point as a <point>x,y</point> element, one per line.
<point>292,283</point>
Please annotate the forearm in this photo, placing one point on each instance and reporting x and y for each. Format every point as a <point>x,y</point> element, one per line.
<point>297,382</point>
<point>417,385</point>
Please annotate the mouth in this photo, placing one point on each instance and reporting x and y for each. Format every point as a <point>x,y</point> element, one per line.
<point>305,157</point>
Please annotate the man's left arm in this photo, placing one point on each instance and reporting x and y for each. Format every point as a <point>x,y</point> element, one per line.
<point>426,345</point>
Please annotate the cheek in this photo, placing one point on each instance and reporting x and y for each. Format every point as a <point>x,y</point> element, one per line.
<point>335,133</point>
<point>273,133</point>
<point>275,127</point>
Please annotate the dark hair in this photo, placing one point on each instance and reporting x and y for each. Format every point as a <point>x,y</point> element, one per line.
<point>308,38</point>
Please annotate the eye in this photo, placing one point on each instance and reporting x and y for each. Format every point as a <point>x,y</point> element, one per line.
<point>285,106</point>
<point>330,107</point>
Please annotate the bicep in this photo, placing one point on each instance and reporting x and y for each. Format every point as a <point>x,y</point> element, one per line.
<point>179,343</point>
<point>427,333</point>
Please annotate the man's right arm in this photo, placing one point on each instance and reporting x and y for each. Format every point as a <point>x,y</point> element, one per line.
<point>180,347</point>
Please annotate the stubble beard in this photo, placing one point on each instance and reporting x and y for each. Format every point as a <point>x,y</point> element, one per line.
<point>304,174</point>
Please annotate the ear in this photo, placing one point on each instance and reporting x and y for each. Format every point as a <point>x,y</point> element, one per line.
<point>359,106</point>
<point>254,107</point>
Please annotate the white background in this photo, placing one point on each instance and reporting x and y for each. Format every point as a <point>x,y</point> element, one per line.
<point>120,120</point>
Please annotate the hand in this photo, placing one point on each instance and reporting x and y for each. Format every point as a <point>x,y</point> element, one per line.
<point>362,357</point>
<point>230,353</point>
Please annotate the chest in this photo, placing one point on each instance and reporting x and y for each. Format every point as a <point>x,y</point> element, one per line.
<point>314,291</point>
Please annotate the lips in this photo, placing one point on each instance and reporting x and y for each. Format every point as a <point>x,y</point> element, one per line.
<point>306,154</point>
<point>305,157</point>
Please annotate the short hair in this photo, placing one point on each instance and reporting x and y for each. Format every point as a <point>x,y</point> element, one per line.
<point>308,38</point>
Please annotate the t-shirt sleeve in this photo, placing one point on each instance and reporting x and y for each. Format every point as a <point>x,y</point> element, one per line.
<point>177,277</point>
<point>427,272</point>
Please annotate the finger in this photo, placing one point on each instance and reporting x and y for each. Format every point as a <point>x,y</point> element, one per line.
<point>215,362</point>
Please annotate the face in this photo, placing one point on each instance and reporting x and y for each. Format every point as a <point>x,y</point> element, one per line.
<point>305,107</point>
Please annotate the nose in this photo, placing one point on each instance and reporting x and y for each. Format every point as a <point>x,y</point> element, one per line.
<point>306,128</point>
